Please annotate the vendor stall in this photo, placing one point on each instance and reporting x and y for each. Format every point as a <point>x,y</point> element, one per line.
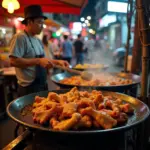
<point>85,117</point>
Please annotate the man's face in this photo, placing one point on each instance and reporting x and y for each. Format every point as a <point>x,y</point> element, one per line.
<point>37,25</point>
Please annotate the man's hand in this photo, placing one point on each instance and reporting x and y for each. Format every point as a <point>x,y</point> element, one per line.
<point>60,62</point>
<point>45,63</point>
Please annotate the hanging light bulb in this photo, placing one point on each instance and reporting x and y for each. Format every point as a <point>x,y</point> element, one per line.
<point>10,8</point>
<point>10,11</point>
<point>16,4</point>
<point>11,5</point>
<point>5,3</point>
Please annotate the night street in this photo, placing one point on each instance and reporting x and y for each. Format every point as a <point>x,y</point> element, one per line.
<point>73,73</point>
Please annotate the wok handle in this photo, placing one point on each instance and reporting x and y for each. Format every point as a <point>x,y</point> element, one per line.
<point>68,69</point>
<point>18,141</point>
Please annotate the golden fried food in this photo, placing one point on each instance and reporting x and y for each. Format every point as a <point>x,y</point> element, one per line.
<point>85,122</point>
<point>80,109</point>
<point>68,110</point>
<point>102,118</point>
<point>126,108</point>
<point>68,123</point>
<point>42,116</point>
<point>89,66</point>
<point>86,102</point>
<point>97,80</point>
<point>53,121</point>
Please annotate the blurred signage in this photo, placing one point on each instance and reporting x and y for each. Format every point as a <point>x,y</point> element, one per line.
<point>75,27</point>
<point>113,6</point>
<point>106,20</point>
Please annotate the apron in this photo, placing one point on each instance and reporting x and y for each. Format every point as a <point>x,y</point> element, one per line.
<point>39,84</point>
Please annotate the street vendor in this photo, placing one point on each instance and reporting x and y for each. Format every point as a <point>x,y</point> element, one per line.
<point>27,54</point>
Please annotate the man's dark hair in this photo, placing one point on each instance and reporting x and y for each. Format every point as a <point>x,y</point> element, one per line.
<point>65,37</point>
<point>79,35</point>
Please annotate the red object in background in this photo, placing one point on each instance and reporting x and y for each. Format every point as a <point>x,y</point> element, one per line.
<point>18,24</point>
<point>52,6</point>
<point>11,22</point>
<point>71,25</point>
<point>77,3</point>
<point>84,32</point>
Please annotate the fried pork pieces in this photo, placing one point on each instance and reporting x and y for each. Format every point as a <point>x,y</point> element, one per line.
<point>79,110</point>
<point>97,80</point>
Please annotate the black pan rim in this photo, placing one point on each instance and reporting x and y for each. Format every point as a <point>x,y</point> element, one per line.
<point>128,126</point>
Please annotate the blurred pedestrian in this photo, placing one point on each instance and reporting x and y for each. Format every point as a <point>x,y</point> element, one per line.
<point>79,50</point>
<point>97,43</point>
<point>47,47</point>
<point>55,48</point>
<point>67,49</point>
<point>90,48</point>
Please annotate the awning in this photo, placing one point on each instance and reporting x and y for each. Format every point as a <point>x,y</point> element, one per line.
<point>77,3</point>
<point>54,6</point>
<point>4,20</point>
<point>52,23</point>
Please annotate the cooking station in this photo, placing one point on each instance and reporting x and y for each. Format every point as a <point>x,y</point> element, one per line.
<point>32,140</point>
<point>37,137</point>
<point>43,117</point>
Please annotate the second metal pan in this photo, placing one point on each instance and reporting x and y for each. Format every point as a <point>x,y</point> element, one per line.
<point>117,88</point>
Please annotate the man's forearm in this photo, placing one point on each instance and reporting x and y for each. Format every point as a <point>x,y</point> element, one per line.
<point>24,62</point>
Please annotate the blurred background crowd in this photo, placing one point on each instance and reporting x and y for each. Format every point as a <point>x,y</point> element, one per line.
<point>101,26</point>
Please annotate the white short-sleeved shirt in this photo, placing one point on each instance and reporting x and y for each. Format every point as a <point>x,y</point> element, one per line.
<point>20,46</point>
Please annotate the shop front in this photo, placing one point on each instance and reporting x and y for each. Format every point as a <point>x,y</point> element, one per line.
<point>112,26</point>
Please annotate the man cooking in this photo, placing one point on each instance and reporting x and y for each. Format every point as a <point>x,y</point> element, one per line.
<point>27,54</point>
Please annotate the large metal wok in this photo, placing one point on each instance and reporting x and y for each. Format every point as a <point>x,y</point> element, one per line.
<point>117,88</point>
<point>15,108</point>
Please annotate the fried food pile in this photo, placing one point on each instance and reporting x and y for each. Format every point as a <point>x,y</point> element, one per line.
<point>97,80</point>
<point>89,66</point>
<point>76,110</point>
